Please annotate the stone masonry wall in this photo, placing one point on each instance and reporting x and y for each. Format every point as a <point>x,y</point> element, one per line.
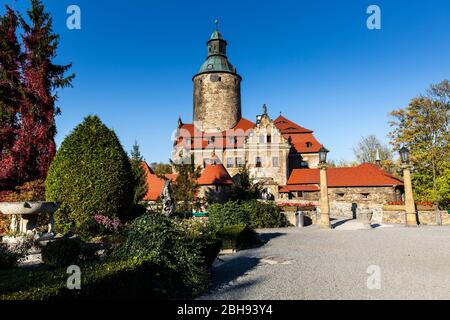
<point>217,100</point>
<point>424,217</point>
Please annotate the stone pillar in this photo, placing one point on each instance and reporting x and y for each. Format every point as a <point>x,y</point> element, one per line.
<point>324,203</point>
<point>410,207</point>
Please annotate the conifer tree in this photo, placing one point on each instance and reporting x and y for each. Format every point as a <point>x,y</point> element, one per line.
<point>186,187</point>
<point>140,183</point>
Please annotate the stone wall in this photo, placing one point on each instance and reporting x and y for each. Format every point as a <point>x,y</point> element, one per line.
<point>424,217</point>
<point>217,101</point>
<point>215,194</point>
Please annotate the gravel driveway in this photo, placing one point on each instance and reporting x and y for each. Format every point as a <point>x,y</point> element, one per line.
<point>310,263</point>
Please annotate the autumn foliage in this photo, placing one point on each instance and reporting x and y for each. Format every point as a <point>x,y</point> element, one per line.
<point>28,83</point>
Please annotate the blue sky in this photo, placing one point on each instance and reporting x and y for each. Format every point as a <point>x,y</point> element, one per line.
<point>315,61</point>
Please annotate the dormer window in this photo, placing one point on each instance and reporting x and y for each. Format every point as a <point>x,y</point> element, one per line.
<point>308,145</point>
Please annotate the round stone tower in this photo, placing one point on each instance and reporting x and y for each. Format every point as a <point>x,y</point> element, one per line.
<point>217,89</point>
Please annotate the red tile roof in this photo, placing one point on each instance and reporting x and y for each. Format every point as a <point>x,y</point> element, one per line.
<point>221,139</point>
<point>286,126</point>
<point>364,175</point>
<point>300,142</point>
<point>155,184</point>
<point>215,174</point>
<point>199,140</point>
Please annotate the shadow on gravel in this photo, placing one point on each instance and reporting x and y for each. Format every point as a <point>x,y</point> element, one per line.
<point>339,223</point>
<point>266,237</point>
<point>231,270</point>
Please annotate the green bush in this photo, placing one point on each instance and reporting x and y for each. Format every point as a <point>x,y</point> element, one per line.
<point>157,239</point>
<point>202,233</point>
<point>255,214</point>
<point>90,175</point>
<point>238,237</point>
<point>61,253</point>
<point>263,214</point>
<point>227,214</point>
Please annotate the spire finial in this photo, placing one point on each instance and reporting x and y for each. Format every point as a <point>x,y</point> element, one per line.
<point>216,22</point>
<point>377,157</point>
<point>264,108</point>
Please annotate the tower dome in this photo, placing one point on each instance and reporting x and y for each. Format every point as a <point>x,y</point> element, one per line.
<point>217,93</point>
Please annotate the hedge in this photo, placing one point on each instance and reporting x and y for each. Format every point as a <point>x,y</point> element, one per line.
<point>255,214</point>
<point>90,175</point>
<point>238,237</point>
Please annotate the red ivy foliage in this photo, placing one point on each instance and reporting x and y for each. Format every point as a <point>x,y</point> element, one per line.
<point>420,203</point>
<point>31,128</point>
<point>293,204</point>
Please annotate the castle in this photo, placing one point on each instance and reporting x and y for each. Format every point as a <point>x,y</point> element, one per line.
<point>280,154</point>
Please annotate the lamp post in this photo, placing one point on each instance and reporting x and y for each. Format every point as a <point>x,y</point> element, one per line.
<point>410,207</point>
<point>324,204</point>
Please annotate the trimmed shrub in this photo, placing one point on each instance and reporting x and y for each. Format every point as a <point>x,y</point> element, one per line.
<point>61,253</point>
<point>255,214</point>
<point>90,175</point>
<point>157,239</point>
<point>263,214</point>
<point>238,237</point>
<point>227,214</point>
<point>202,233</point>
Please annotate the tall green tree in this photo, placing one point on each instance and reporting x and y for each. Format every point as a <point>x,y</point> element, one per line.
<point>139,179</point>
<point>186,187</point>
<point>423,127</point>
<point>244,188</point>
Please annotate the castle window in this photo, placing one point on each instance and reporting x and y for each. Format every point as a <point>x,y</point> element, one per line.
<point>231,140</point>
<point>188,142</point>
<point>230,162</point>
<point>308,145</point>
<point>275,163</point>
<point>269,139</point>
<point>340,195</point>
<point>239,162</point>
<point>258,162</point>
<point>262,139</point>
<point>365,196</point>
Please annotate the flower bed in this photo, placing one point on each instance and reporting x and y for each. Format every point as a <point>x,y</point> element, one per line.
<point>400,206</point>
<point>294,207</point>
